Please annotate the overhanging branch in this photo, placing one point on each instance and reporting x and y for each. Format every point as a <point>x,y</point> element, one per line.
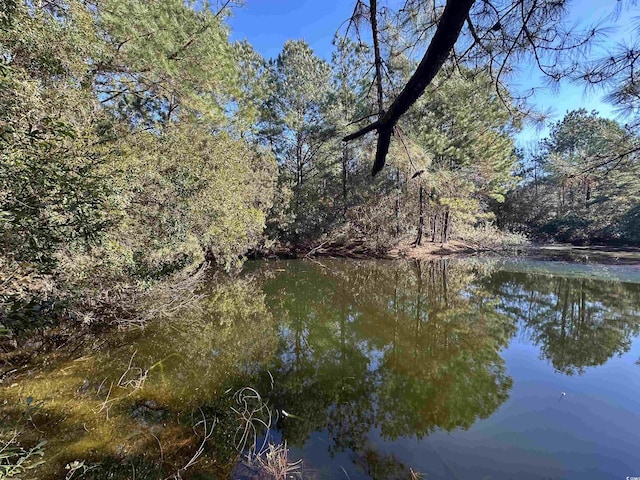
<point>445,37</point>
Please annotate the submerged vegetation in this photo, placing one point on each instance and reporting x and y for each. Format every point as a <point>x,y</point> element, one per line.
<point>261,364</point>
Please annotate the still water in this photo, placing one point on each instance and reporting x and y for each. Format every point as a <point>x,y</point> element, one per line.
<point>452,369</point>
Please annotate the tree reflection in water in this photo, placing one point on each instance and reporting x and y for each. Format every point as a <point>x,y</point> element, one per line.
<point>354,351</point>
<point>405,349</point>
<point>576,322</point>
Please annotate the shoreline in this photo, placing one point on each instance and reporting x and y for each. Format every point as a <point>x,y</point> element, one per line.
<point>460,249</point>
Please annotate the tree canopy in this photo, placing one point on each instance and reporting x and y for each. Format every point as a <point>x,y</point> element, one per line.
<point>138,143</point>
<point>493,36</point>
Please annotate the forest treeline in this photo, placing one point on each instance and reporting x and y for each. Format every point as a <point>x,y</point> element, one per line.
<point>138,143</point>
<point>579,185</point>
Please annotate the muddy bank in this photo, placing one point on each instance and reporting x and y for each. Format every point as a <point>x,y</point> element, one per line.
<point>361,250</point>
<point>455,248</point>
<point>431,250</point>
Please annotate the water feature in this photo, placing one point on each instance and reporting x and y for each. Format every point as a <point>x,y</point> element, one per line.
<point>454,369</point>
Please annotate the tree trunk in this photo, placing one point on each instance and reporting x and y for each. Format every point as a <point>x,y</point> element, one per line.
<point>373,17</point>
<point>445,226</point>
<point>435,227</point>
<point>298,169</point>
<point>420,216</point>
<point>345,159</point>
<point>587,194</point>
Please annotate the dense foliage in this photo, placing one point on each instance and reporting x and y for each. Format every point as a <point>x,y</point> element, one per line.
<point>123,159</point>
<point>137,143</point>
<point>581,184</point>
<point>446,165</point>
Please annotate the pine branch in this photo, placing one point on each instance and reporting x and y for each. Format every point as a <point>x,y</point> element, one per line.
<point>445,37</point>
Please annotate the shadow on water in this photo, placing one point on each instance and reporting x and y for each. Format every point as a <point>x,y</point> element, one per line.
<point>349,358</point>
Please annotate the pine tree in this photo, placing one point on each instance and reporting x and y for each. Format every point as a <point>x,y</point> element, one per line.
<point>295,127</point>
<point>587,185</point>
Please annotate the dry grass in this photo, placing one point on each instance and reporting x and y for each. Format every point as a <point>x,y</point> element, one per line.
<point>207,427</point>
<point>491,238</point>
<point>268,460</point>
<point>133,378</point>
<point>274,462</point>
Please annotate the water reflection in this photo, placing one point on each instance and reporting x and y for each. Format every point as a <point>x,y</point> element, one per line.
<point>577,322</point>
<point>408,349</point>
<point>354,357</point>
<point>133,401</point>
<point>403,348</point>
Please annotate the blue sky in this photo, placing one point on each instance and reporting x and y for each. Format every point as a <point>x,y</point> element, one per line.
<point>267,24</point>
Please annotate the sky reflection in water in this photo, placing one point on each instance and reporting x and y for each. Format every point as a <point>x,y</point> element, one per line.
<point>452,368</point>
<point>457,369</point>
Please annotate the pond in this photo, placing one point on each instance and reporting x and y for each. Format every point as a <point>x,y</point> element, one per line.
<point>445,369</point>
